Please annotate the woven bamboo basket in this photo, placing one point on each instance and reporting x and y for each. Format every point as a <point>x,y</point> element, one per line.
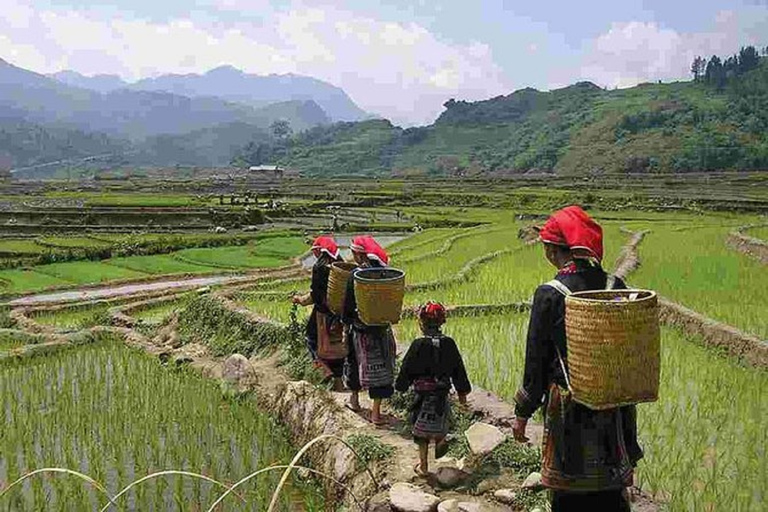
<point>379,293</point>
<point>337,285</point>
<point>613,344</point>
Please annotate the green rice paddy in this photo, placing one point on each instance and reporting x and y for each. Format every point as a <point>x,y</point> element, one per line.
<point>118,415</point>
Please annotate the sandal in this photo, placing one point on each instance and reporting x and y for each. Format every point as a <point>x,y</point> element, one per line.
<point>352,407</point>
<point>419,472</point>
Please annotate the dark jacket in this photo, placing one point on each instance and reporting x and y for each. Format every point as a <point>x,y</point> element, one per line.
<point>425,360</point>
<point>584,449</point>
<point>321,270</point>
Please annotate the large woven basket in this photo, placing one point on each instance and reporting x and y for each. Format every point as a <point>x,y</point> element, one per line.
<point>337,285</point>
<point>613,347</point>
<point>379,293</point>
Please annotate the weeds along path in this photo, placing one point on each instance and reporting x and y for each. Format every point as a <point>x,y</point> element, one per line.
<point>756,248</point>
<point>628,260</point>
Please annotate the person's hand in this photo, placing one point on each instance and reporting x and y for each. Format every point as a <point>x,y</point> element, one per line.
<point>518,430</point>
<point>296,299</point>
<point>463,399</point>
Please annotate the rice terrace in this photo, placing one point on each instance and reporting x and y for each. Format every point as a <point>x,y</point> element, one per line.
<point>123,379</point>
<point>383,256</point>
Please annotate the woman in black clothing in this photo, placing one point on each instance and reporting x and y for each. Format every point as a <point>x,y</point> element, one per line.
<point>324,332</point>
<point>371,348</point>
<point>432,364</point>
<point>588,456</point>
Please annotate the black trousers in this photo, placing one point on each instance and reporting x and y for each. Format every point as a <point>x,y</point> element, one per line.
<point>599,501</point>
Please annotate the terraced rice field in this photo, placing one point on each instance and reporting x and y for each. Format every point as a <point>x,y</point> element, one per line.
<point>696,268</point>
<point>71,242</point>
<point>758,232</point>
<point>73,318</point>
<point>117,415</point>
<point>265,253</point>
<point>700,438</point>
<point>705,441</point>
<point>20,246</point>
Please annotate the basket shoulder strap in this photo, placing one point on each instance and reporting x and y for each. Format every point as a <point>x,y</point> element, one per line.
<point>610,282</point>
<point>560,287</point>
<point>557,285</point>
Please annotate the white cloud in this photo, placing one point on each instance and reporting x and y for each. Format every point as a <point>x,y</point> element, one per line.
<point>635,52</point>
<point>399,70</point>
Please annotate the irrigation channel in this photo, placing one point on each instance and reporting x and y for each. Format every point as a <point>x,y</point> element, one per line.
<point>698,456</point>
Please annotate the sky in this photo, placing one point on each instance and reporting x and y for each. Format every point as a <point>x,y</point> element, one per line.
<point>398,59</point>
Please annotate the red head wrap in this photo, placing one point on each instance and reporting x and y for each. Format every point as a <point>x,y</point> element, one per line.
<point>367,245</point>
<point>432,313</point>
<point>571,227</point>
<point>327,245</point>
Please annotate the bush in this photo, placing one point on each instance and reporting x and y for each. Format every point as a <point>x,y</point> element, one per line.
<point>369,448</point>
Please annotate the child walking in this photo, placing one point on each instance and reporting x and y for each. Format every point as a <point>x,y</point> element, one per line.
<point>432,364</point>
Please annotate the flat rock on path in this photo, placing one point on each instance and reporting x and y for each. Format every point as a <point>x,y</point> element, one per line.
<point>533,482</point>
<point>409,498</point>
<point>483,438</point>
<point>506,496</point>
<point>236,367</point>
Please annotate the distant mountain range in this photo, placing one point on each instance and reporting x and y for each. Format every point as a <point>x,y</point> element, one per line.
<point>68,115</point>
<point>231,84</point>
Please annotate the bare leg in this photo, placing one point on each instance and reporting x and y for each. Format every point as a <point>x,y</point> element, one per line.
<point>354,400</point>
<point>424,457</point>
<point>376,411</point>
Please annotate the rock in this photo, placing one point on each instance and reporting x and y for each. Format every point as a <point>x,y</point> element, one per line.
<point>470,507</point>
<point>486,486</point>
<point>379,503</point>
<point>220,229</point>
<point>409,498</point>
<point>451,505</point>
<point>235,368</point>
<point>446,461</point>
<point>506,496</point>
<point>448,477</point>
<point>483,438</point>
<point>533,482</point>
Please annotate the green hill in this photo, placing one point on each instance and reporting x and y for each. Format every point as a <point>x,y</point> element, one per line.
<point>676,127</point>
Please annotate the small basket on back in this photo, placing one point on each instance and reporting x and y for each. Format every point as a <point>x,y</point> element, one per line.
<point>613,341</point>
<point>337,285</point>
<point>379,293</point>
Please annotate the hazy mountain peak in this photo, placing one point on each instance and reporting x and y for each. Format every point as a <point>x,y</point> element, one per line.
<point>100,83</point>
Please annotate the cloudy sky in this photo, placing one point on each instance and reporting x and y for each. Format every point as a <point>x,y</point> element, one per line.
<point>401,59</point>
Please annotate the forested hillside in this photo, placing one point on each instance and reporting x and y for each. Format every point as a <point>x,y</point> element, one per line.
<point>718,121</point>
<point>28,144</point>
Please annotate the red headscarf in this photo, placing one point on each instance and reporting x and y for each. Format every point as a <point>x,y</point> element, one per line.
<point>571,227</point>
<point>327,245</point>
<point>432,313</point>
<point>367,245</point>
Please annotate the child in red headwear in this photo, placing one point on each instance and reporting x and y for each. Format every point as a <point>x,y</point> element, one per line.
<point>432,364</point>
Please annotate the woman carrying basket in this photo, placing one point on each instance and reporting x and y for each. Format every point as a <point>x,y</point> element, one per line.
<point>372,350</point>
<point>324,331</point>
<point>588,456</point>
